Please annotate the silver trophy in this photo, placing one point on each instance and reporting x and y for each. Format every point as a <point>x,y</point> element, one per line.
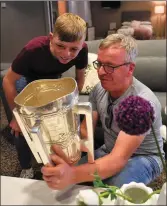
<point>48,112</point>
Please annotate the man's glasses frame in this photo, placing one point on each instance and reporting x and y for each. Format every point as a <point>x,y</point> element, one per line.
<point>107,67</point>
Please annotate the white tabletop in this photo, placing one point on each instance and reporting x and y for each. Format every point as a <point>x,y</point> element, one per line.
<point>18,191</point>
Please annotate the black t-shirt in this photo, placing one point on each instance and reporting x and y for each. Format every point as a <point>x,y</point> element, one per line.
<point>35,61</point>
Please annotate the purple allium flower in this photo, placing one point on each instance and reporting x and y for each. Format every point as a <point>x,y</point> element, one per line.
<point>134,115</point>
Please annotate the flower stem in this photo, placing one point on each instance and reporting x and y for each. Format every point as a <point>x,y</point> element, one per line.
<point>107,193</point>
<point>125,197</point>
<point>104,194</point>
<point>150,195</point>
<point>159,151</point>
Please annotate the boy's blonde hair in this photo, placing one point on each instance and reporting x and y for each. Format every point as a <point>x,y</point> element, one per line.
<point>70,27</point>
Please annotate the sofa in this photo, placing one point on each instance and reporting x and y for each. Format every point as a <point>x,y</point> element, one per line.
<point>150,68</point>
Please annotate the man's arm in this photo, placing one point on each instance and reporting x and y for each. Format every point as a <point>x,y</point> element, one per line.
<point>80,78</point>
<point>112,163</point>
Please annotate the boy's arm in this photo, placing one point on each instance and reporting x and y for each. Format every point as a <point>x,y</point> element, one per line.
<point>9,87</point>
<point>80,78</point>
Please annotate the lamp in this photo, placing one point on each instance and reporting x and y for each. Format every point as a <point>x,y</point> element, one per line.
<point>159,9</point>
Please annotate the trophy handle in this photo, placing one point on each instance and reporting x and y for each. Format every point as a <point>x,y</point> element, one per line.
<point>34,139</point>
<point>35,130</point>
<point>27,137</point>
<point>86,108</point>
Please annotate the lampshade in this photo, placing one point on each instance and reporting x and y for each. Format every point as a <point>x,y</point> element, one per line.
<point>159,9</point>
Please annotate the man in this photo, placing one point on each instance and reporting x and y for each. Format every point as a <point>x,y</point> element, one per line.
<point>123,158</point>
<point>46,57</point>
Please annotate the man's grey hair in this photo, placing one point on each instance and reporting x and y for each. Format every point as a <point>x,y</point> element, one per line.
<point>127,42</point>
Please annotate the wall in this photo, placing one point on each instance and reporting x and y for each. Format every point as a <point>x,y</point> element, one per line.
<point>20,22</point>
<point>81,8</point>
<point>102,17</point>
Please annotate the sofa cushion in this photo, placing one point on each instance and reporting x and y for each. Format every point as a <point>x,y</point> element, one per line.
<point>93,46</point>
<point>126,23</point>
<point>151,71</point>
<point>162,98</point>
<point>154,48</point>
<point>91,77</point>
<point>70,72</point>
<point>91,58</point>
<point>83,98</point>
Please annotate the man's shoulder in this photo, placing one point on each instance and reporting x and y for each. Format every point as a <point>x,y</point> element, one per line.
<point>97,88</point>
<point>143,91</point>
<point>98,92</point>
<point>37,42</point>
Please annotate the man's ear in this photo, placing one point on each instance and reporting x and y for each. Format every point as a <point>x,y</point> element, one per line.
<point>131,68</point>
<point>50,35</point>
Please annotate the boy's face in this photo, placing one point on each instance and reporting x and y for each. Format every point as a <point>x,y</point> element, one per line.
<point>64,51</point>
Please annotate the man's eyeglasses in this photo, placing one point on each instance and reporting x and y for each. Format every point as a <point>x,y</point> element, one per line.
<point>107,68</point>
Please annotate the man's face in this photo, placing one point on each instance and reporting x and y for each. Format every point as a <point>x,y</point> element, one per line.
<point>64,51</point>
<point>116,80</point>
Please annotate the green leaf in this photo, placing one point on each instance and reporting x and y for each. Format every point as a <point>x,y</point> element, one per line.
<point>100,201</point>
<point>113,196</point>
<point>98,182</point>
<point>111,190</point>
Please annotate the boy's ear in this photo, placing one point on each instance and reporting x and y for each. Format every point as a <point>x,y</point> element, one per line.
<point>50,35</point>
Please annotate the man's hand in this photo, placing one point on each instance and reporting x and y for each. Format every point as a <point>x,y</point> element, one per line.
<point>15,129</point>
<point>61,175</point>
